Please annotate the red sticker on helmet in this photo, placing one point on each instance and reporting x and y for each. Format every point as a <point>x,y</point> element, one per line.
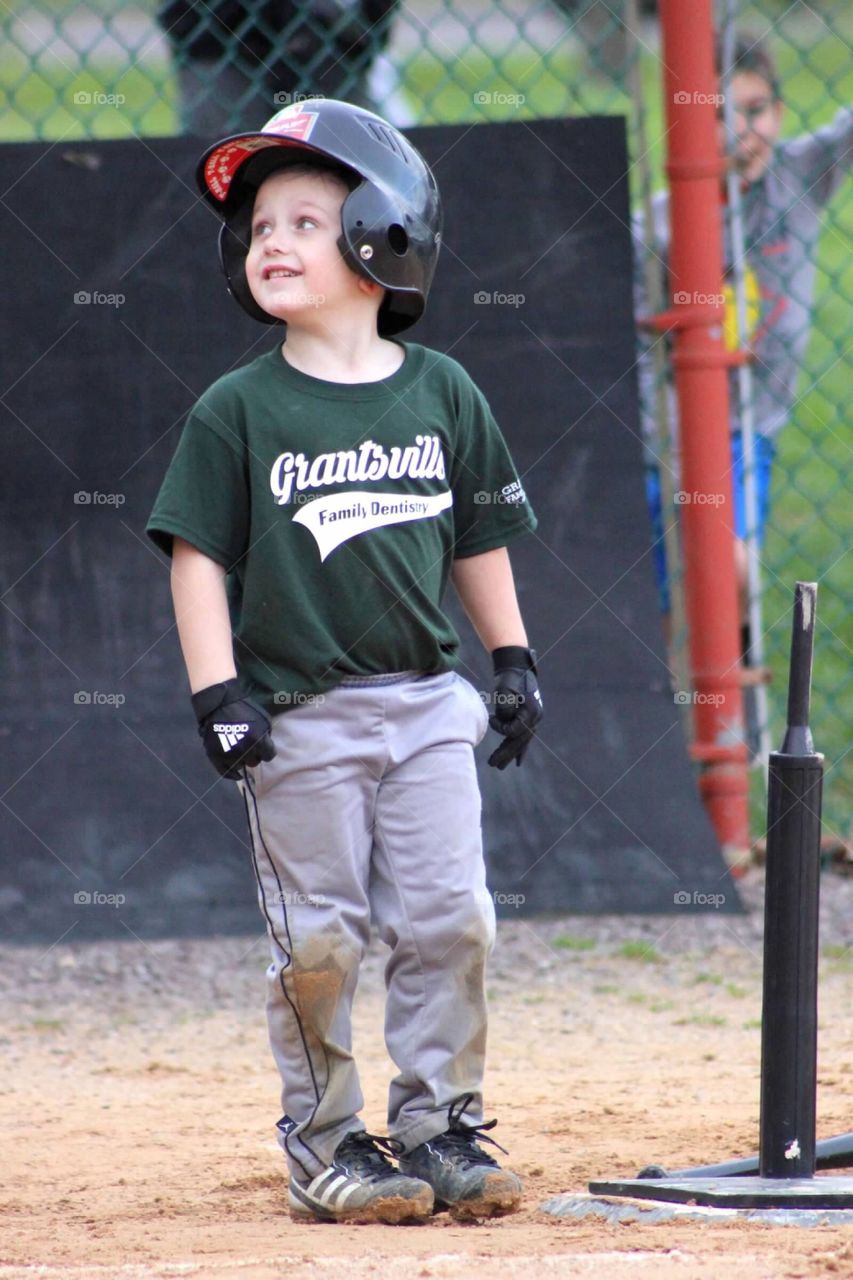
<point>292,124</point>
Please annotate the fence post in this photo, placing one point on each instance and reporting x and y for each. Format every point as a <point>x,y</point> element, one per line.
<point>700,365</point>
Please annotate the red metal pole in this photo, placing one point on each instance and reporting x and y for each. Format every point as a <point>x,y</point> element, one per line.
<point>700,365</point>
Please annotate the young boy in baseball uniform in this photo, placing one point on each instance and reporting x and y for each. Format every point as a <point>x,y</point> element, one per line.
<point>318,501</point>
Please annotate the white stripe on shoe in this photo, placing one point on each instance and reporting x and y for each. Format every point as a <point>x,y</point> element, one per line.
<point>332,1178</point>
<point>328,1193</point>
<point>341,1201</point>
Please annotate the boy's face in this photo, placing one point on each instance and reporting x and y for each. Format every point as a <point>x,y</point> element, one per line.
<point>758,118</point>
<point>294,267</point>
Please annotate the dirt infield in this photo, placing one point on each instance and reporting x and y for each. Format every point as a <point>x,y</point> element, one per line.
<point>139,1096</point>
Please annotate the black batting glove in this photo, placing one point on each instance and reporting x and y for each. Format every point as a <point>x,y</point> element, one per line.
<point>234,731</point>
<point>516,703</point>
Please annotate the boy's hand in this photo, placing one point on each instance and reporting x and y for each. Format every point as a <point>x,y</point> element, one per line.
<point>516,702</point>
<point>235,732</point>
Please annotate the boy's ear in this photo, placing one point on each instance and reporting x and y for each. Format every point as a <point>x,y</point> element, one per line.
<point>371,288</point>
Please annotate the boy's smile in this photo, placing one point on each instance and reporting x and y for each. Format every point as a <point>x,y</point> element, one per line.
<point>294,265</point>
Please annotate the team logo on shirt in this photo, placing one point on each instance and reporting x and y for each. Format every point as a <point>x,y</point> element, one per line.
<point>340,516</point>
<point>334,518</point>
<point>294,472</point>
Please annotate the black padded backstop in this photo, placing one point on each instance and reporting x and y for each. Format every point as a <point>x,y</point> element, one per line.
<point>106,792</point>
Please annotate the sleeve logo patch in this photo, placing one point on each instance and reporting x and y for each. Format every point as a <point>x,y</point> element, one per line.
<point>512,493</point>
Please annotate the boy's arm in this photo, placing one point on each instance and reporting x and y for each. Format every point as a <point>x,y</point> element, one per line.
<point>235,732</point>
<point>486,589</point>
<point>201,612</point>
<point>823,158</point>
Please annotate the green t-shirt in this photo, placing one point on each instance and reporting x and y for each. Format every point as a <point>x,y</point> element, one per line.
<point>338,510</point>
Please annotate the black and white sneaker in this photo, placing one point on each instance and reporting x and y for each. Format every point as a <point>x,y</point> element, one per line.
<point>466,1179</point>
<point>361,1185</point>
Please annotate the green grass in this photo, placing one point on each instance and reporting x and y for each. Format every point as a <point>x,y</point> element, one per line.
<point>567,942</point>
<point>39,102</point>
<point>639,951</point>
<point>841,955</point>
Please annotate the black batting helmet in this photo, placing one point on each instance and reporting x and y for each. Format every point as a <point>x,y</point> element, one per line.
<point>390,221</point>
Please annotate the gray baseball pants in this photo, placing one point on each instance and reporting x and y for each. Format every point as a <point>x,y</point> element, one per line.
<point>371,810</point>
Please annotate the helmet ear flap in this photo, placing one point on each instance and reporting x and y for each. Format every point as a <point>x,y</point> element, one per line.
<point>234,238</point>
<point>385,240</point>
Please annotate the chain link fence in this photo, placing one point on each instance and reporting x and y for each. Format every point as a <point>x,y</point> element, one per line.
<point>109,68</point>
<point>115,68</point>
<point>809,522</point>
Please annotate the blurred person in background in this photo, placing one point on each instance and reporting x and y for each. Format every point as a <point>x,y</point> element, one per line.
<point>237,61</point>
<point>601,29</point>
<point>785,185</point>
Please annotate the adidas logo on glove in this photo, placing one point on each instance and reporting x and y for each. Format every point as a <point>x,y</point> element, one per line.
<point>230,735</point>
<point>227,721</point>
